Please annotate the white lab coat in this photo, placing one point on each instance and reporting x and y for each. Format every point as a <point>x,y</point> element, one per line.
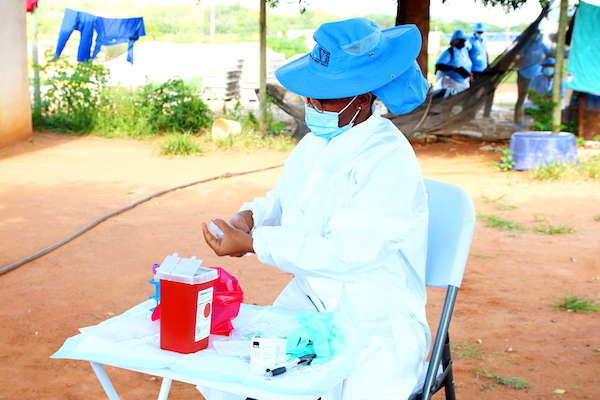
<point>353,209</point>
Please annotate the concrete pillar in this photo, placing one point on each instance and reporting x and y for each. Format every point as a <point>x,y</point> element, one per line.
<point>15,103</point>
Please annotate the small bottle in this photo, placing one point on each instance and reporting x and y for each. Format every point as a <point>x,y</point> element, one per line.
<point>156,284</point>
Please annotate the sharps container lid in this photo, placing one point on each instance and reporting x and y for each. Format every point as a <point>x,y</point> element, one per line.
<point>185,270</point>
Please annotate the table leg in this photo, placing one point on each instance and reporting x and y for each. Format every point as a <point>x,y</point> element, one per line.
<point>344,395</point>
<point>105,381</point>
<point>164,389</point>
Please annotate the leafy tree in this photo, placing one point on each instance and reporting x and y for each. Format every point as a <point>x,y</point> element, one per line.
<point>287,46</point>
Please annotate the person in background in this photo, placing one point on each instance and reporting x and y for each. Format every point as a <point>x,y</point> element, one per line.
<point>453,67</point>
<point>530,57</point>
<point>350,210</point>
<point>480,59</point>
<point>542,84</point>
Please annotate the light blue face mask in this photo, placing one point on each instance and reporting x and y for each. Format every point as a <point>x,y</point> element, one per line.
<point>326,124</point>
<point>548,71</point>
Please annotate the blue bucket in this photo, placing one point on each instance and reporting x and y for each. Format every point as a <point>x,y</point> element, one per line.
<point>532,149</point>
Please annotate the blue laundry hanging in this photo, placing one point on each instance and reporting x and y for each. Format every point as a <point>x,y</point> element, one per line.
<point>113,31</point>
<point>77,21</point>
<point>110,31</point>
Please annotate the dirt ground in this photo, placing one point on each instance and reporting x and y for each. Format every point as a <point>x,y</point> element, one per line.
<point>57,184</point>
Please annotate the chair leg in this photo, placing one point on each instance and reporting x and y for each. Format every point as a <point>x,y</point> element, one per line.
<point>447,363</point>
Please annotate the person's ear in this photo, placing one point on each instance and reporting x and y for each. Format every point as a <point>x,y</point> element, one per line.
<point>363,101</point>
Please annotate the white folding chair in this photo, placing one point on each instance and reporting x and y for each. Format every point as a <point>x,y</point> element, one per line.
<point>451,227</point>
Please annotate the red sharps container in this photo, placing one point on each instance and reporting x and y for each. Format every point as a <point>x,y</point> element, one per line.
<point>186,296</point>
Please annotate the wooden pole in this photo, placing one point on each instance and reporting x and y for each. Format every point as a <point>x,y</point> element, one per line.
<point>35,59</point>
<point>212,23</point>
<point>262,116</point>
<point>581,133</point>
<point>558,67</point>
<point>506,30</point>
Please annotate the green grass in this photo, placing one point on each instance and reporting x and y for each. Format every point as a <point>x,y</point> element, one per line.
<point>578,304</point>
<point>547,228</point>
<point>494,221</point>
<point>467,351</point>
<point>493,199</point>
<point>597,217</point>
<point>479,255</point>
<point>250,141</point>
<point>503,207</point>
<point>510,382</point>
<point>179,144</point>
<point>568,171</point>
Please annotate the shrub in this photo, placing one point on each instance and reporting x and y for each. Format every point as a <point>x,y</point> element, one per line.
<point>506,161</point>
<point>173,106</point>
<point>80,101</point>
<point>287,46</point>
<point>542,113</point>
<point>72,103</point>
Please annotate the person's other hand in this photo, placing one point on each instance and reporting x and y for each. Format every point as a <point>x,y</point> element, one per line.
<point>235,242</point>
<point>243,221</point>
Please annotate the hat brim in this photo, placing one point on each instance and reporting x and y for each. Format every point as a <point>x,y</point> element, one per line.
<point>403,48</point>
<point>480,28</point>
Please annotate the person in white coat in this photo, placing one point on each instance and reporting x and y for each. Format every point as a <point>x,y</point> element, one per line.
<point>351,207</point>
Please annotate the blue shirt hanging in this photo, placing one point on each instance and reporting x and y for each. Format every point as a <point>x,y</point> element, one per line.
<point>110,31</point>
<point>81,21</point>
<point>113,31</point>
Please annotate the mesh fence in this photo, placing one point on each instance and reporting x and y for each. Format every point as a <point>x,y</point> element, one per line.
<point>463,113</point>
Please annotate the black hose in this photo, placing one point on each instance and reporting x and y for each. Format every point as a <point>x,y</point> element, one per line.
<point>128,207</point>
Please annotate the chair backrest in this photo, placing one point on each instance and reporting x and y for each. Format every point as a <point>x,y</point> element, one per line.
<point>451,227</point>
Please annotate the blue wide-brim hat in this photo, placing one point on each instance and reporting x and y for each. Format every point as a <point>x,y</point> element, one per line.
<point>351,57</point>
<point>354,57</point>
<point>479,27</point>
<point>549,62</point>
<point>459,34</point>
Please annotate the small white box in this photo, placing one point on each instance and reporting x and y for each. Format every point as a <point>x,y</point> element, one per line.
<point>266,352</point>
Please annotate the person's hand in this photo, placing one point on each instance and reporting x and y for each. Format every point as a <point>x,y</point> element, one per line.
<point>243,221</point>
<point>235,242</point>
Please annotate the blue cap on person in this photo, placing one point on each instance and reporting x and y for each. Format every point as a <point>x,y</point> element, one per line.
<point>354,57</point>
<point>480,27</point>
<point>459,34</point>
<point>549,62</point>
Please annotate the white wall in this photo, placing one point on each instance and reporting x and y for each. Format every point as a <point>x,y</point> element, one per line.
<point>15,107</point>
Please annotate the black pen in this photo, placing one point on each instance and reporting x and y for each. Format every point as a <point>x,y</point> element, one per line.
<point>304,360</point>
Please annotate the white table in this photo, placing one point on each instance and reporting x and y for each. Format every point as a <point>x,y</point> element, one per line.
<point>100,352</point>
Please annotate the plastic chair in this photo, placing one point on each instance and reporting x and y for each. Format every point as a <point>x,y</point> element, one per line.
<point>451,227</point>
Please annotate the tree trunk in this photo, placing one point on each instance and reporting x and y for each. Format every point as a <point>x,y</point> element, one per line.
<point>558,68</point>
<point>262,115</point>
<point>416,12</point>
